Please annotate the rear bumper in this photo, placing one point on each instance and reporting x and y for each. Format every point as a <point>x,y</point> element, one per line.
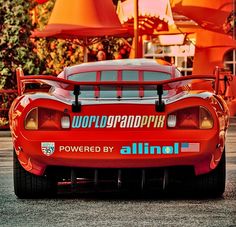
<point>124,150</point>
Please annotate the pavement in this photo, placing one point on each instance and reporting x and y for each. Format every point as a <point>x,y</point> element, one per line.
<point>5,133</point>
<point>92,209</point>
<point>232,121</point>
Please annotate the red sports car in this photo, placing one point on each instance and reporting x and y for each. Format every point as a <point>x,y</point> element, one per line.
<point>124,123</point>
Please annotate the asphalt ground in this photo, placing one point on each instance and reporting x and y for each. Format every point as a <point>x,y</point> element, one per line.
<point>107,209</point>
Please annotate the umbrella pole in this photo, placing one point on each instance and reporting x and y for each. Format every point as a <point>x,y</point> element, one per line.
<point>85,50</point>
<point>85,54</point>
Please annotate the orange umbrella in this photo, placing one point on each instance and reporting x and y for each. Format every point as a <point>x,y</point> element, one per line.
<point>80,18</point>
<point>154,15</point>
<point>144,17</point>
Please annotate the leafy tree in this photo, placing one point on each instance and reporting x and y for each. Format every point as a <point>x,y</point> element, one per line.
<point>58,53</point>
<point>16,48</point>
<point>15,43</point>
<point>42,13</point>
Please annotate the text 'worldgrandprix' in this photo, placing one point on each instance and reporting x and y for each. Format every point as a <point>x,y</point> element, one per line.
<point>122,121</point>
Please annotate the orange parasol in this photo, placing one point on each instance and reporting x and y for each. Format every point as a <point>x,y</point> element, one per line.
<point>144,17</point>
<point>79,18</point>
<point>153,15</point>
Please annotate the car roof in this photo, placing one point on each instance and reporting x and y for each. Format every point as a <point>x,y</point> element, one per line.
<point>123,64</point>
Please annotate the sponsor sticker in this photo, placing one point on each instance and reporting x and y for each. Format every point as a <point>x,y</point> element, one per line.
<point>86,149</point>
<point>119,121</point>
<point>147,149</point>
<point>48,148</point>
<point>143,148</point>
<point>190,147</point>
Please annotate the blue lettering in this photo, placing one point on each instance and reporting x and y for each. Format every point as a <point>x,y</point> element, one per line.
<point>97,122</point>
<point>76,122</point>
<point>134,148</point>
<point>85,122</point>
<point>153,148</point>
<point>103,122</point>
<point>176,148</point>
<point>125,150</point>
<point>140,148</point>
<point>91,120</point>
<point>146,149</point>
<point>167,150</point>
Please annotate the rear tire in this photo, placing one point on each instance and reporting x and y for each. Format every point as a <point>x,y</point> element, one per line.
<point>28,185</point>
<point>213,183</point>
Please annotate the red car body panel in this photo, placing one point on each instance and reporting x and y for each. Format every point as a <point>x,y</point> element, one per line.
<point>100,145</point>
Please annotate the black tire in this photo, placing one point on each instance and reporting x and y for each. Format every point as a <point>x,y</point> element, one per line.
<point>213,183</point>
<point>27,185</point>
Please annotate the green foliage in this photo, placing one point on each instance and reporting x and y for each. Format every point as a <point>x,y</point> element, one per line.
<point>15,44</point>
<point>43,12</point>
<point>16,48</point>
<point>57,54</point>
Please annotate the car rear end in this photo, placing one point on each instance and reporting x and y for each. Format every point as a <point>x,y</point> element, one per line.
<point>118,135</point>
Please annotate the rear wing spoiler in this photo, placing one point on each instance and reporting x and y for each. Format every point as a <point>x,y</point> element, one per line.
<point>69,84</point>
<point>76,86</point>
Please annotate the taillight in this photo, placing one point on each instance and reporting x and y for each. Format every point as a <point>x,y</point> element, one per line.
<point>190,118</point>
<point>46,119</point>
<point>31,120</point>
<point>49,119</point>
<point>206,120</point>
